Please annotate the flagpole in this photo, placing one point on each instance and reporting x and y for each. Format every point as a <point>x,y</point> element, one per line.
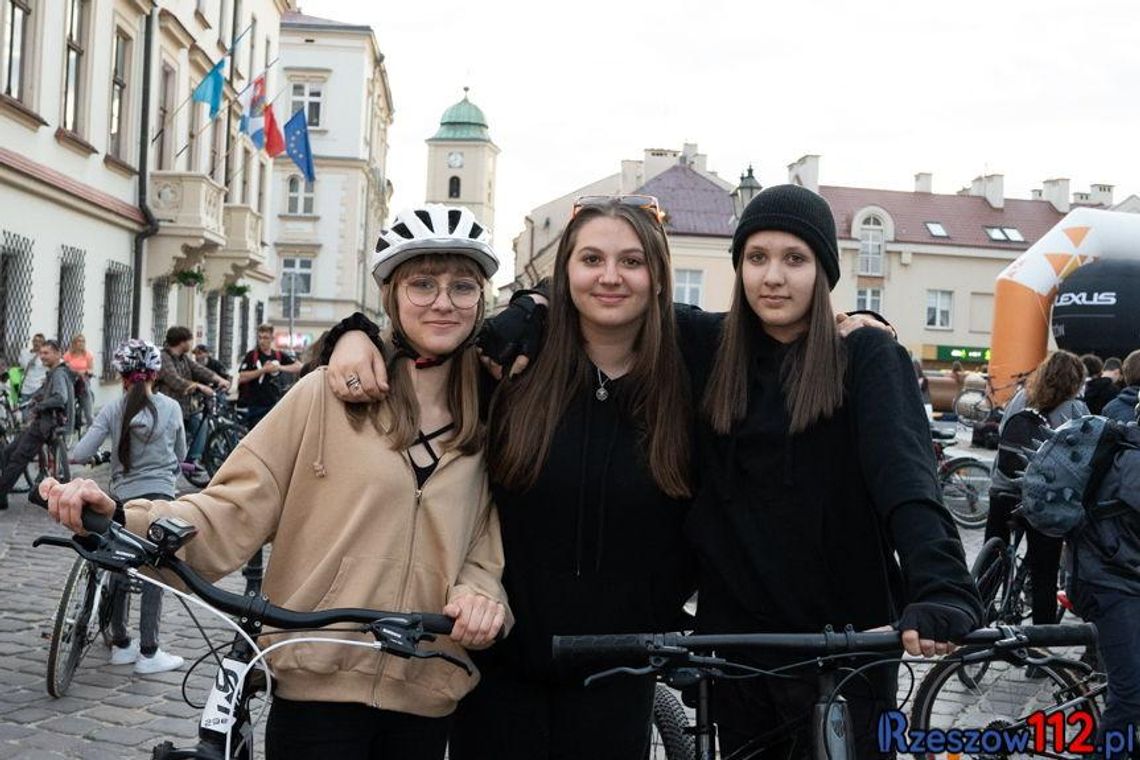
<point>227,54</point>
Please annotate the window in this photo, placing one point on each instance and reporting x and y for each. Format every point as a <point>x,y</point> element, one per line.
<point>453,187</point>
<point>687,286</point>
<point>16,47</point>
<point>243,329</point>
<point>996,233</point>
<point>1013,234</point>
<point>246,197</point>
<point>69,319</point>
<point>307,98</point>
<point>262,181</point>
<point>212,299</point>
<point>217,153</point>
<point>300,195</point>
<point>300,269</point>
<point>120,63</point>
<point>869,299</point>
<point>939,305</point>
<point>871,247</point>
<point>73,69</point>
<point>226,330</point>
<point>936,229</point>
<point>15,294</point>
<point>165,107</point>
<point>116,312</point>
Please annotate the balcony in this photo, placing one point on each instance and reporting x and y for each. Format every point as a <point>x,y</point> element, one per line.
<point>188,208</point>
<point>241,252</point>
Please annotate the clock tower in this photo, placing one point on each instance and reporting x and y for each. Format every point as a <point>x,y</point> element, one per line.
<point>461,162</point>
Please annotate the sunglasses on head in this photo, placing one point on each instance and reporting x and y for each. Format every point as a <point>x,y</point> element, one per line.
<point>647,203</point>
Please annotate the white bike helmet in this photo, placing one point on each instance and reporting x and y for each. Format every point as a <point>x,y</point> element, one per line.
<point>434,228</point>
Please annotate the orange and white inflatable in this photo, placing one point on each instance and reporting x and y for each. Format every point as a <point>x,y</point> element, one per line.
<point>1026,289</point>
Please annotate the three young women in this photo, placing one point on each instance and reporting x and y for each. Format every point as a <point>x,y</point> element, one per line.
<point>381,505</point>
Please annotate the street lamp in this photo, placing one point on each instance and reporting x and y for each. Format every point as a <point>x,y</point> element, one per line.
<point>745,192</point>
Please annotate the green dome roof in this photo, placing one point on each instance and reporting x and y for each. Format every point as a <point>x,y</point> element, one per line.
<point>463,121</point>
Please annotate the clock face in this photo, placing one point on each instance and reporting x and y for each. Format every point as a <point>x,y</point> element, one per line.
<point>455,159</point>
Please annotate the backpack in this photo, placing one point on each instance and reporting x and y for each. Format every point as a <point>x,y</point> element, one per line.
<point>1061,483</point>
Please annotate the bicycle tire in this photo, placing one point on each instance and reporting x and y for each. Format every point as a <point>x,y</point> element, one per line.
<point>60,467</point>
<point>669,739</point>
<point>71,632</point>
<point>965,483</point>
<point>989,571</point>
<point>972,405</point>
<point>973,702</point>
<point>106,606</point>
<point>220,444</point>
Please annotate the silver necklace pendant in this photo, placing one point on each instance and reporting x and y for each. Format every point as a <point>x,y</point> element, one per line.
<point>601,394</point>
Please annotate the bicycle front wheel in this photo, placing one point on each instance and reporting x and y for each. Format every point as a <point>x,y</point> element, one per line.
<point>966,491</point>
<point>990,571</point>
<point>60,467</point>
<point>997,694</point>
<point>75,627</point>
<point>668,740</point>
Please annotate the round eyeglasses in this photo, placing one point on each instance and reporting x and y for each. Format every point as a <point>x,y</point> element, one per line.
<point>463,294</point>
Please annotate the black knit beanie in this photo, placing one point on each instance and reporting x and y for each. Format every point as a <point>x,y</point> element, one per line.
<point>794,209</point>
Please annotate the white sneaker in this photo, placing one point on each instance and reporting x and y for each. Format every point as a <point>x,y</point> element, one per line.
<point>125,655</point>
<point>159,662</point>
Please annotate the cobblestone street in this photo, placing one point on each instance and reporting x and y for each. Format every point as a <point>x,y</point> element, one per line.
<point>109,712</point>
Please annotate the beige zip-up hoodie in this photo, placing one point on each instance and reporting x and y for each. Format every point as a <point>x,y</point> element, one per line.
<point>349,529</point>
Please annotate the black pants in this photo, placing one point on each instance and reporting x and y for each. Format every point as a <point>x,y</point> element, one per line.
<point>747,709</point>
<point>350,731</point>
<point>22,451</point>
<point>1043,554</point>
<point>507,718</point>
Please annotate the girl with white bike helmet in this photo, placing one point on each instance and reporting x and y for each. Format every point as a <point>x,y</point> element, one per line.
<point>381,505</point>
<point>147,443</point>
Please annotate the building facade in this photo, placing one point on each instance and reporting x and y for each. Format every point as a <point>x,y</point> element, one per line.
<point>127,209</point>
<point>926,261</point>
<point>324,231</point>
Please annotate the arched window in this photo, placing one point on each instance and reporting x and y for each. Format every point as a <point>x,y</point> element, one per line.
<point>300,195</point>
<point>453,187</point>
<point>871,246</point>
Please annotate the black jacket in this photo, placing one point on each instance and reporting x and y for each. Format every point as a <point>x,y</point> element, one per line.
<point>594,546</point>
<point>798,532</point>
<point>1098,392</point>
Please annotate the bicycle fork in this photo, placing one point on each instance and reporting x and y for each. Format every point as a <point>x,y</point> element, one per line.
<point>831,724</point>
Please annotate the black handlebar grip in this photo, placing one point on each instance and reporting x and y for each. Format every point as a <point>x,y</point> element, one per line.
<point>440,624</point>
<point>602,647</point>
<point>93,522</point>
<point>1083,634</point>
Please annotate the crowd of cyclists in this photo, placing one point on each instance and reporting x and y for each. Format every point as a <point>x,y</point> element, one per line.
<point>583,463</point>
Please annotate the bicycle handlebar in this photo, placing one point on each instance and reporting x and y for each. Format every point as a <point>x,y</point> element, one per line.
<point>643,645</point>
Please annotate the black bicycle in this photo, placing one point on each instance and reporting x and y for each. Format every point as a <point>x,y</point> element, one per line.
<point>692,661</point>
<point>225,427</point>
<point>225,729</point>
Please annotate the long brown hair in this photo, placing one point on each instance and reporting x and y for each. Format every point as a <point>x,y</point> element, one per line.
<point>462,378</point>
<point>1055,381</point>
<point>527,410</point>
<point>138,398</point>
<point>812,372</point>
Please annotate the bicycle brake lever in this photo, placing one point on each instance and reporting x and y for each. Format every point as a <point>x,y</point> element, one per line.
<point>647,670</point>
<point>433,654</point>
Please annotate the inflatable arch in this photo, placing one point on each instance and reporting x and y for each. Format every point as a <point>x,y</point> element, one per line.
<point>1026,289</point>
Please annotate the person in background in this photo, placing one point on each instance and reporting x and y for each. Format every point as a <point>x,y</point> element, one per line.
<point>1113,370</point>
<point>258,388</point>
<point>148,441</point>
<point>181,378</point>
<point>1124,406</point>
<point>82,363</point>
<point>958,374</point>
<point>52,407</point>
<point>34,371</point>
<point>1052,390</point>
<point>202,356</point>
<point>1099,390</point>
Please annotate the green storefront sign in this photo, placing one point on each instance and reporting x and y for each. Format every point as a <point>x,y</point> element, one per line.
<point>963,354</point>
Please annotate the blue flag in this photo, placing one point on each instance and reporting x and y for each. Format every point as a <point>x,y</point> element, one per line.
<point>210,89</point>
<point>297,144</point>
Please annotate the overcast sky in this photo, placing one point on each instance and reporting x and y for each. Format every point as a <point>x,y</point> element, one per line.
<point>879,89</point>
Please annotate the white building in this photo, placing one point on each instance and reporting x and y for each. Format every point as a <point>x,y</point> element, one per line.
<point>324,231</point>
<point>79,252</point>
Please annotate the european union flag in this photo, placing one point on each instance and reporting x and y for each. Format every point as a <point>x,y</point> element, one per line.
<point>210,89</point>
<point>297,144</point>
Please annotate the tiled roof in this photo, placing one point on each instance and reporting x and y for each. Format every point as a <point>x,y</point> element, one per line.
<point>694,204</point>
<point>296,18</point>
<point>964,217</point>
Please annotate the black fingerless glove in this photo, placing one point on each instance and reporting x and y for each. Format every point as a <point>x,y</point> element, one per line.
<point>356,322</point>
<point>515,331</point>
<point>937,621</point>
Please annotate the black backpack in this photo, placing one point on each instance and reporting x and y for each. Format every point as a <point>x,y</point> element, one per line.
<point>1022,435</point>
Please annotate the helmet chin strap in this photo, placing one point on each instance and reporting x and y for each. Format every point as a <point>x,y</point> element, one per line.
<point>404,349</point>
